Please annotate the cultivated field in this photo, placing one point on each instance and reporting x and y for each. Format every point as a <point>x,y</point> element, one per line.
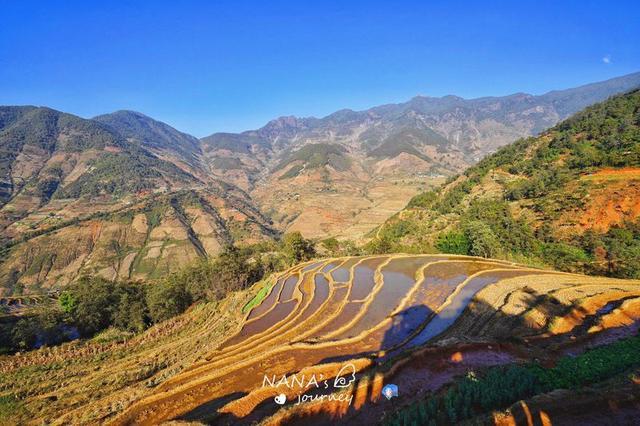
<point>363,319</point>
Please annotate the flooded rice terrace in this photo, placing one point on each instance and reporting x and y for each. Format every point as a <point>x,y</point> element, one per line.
<point>356,309</point>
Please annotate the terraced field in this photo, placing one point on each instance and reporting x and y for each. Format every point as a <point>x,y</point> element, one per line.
<point>20,304</point>
<point>418,321</point>
<point>366,312</point>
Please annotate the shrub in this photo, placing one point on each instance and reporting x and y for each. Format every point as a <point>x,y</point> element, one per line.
<point>564,256</point>
<point>454,242</point>
<point>96,303</point>
<point>513,235</point>
<point>131,312</point>
<point>68,302</point>
<point>482,240</point>
<point>167,299</point>
<point>296,248</point>
<point>423,200</point>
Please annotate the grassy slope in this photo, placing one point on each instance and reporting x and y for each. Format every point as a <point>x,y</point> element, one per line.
<point>84,381</point>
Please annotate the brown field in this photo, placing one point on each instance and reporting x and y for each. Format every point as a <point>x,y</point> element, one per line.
<point>416,320</point>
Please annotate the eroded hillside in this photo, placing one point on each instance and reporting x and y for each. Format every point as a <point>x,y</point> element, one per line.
<point>342,174</point>
<point>143,240</point>
<point>569,198</point>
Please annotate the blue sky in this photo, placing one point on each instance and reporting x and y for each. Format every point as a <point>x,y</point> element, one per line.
<point>230,66</point>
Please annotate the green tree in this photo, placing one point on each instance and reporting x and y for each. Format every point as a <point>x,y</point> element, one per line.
<point>564,256</point>
<point>68,302</point>
<point>482,240</point>
<point>379,246</point>
<point>96,302</point>
<point>131,312</point>
<point>167,299</point>
<point>24,334</point>
<point>297,248</point>
<point>454,242</point>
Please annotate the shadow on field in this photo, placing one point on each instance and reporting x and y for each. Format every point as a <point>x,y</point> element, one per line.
<point>479,322</point>
<point>208,412</point>
<point>404,324</point>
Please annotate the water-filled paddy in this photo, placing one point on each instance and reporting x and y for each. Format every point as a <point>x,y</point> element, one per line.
<point>398,277</point>
<point>343,272</point>
<point>288,288</point>
<point>268,302</point>
<point>447,316</point>
<point>363,278</point>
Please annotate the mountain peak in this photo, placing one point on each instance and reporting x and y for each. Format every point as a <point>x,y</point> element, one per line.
<point>285,121</point>
<point>154,134</point>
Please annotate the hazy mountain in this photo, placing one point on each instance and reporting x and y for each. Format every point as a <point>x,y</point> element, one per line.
<point>472,126</point>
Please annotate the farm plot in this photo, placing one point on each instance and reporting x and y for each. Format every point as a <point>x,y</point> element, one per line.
<point>362,310</point>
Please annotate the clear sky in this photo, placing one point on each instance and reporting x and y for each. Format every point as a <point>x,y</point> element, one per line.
<point>229,66</point>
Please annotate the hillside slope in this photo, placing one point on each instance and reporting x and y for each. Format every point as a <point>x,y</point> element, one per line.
<point>569,198</point>
<point>53,157</point>
<point>142,240</point>
<point>381,157</point>
<point>123,196</point>
<point>167,143</point>
<point>366,316</point>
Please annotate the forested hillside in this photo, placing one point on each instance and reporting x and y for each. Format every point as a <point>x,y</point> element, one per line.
<point>569,198</point>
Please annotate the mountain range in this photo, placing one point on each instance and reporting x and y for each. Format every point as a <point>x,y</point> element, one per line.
<point>125,196</point>
<point>569,198</point>
<point>344,173</point>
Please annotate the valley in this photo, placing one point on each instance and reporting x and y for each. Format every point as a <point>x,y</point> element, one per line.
<point>283,276</point>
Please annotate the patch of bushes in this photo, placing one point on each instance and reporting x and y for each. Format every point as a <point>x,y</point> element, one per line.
<point>396,230</point>
<point>46,326</point>
<point>499,387</point>
<point>482,240</point>
<point>423,200</point>
<point>10,406</point>
<point>488,229</point>
<point>296,248</point>
<point>338,248</point>
<point>93,304</point>
<point>454,242</point>
<point>564,257</point>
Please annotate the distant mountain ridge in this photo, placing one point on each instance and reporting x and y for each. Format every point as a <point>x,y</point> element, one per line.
<point>456,119</point>
<point>407,143</point>
<point>132,194</point>
<point>569,197</point>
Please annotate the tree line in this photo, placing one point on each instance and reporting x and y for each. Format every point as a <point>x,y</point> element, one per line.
<point>93,304</point>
